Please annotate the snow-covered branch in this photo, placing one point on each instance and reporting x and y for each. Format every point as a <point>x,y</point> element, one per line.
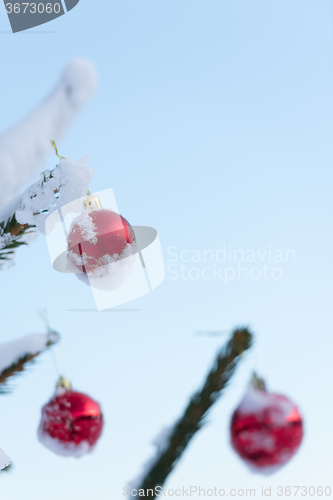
<point>24,147</point>
<point>13,235</point>
<point>15,355</point>
<point>68,181</point>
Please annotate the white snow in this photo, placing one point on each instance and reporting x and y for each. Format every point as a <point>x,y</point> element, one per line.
<point>4,460</point>
<point>71,178</point>
<point>5,240</point>
<point>28,237</point>
<point>257,401</point>
<point>11,352</point>
<point>68,181</point>
<point>86,224</point>
<point>24,146</point>
<point>108,264</point>
<point>63,449</point>
<point>113,272</point>
<point>258,440</point>
<point>268,470</point>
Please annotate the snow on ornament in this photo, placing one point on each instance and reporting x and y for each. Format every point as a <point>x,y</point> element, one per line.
<point>98,239</point>
<point>71,422</point>
<point>266,429</point>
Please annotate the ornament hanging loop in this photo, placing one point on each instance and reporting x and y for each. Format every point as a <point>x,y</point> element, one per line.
<point>91,202</point>
<point>64,382</point>
<point>56,150</point>
<point>258,383</point>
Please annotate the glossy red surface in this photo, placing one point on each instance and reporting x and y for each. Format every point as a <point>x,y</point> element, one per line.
<point>269,435</point>
<point>113,233</point>
<point>72,417</point>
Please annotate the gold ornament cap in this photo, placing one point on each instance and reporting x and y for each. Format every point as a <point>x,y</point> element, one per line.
<point>258,383</point>
<point>64,382</point>
<point>91,201</point>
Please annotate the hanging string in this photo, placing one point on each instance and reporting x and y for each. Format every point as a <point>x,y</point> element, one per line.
<point>62,157</point>
<point>254,361</point>
<point>56,150</point>
<point>44,316</point>
<point>62,355</point>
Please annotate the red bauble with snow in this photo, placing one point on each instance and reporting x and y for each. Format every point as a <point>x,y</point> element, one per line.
<point>266,429</point>
<point>71,423</point>
<point>98,238</point>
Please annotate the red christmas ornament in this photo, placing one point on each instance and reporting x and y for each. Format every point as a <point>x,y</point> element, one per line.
<point>99,237</point>
<point>71,422</point>
<point>266,429</point>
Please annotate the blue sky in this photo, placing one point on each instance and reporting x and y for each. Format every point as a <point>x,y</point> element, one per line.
<point>212,124</point>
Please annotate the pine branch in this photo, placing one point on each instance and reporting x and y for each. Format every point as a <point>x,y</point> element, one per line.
<point>24,360</point>
<point>10,234</point>
<point>11,230</point>
<point>194,416</point>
